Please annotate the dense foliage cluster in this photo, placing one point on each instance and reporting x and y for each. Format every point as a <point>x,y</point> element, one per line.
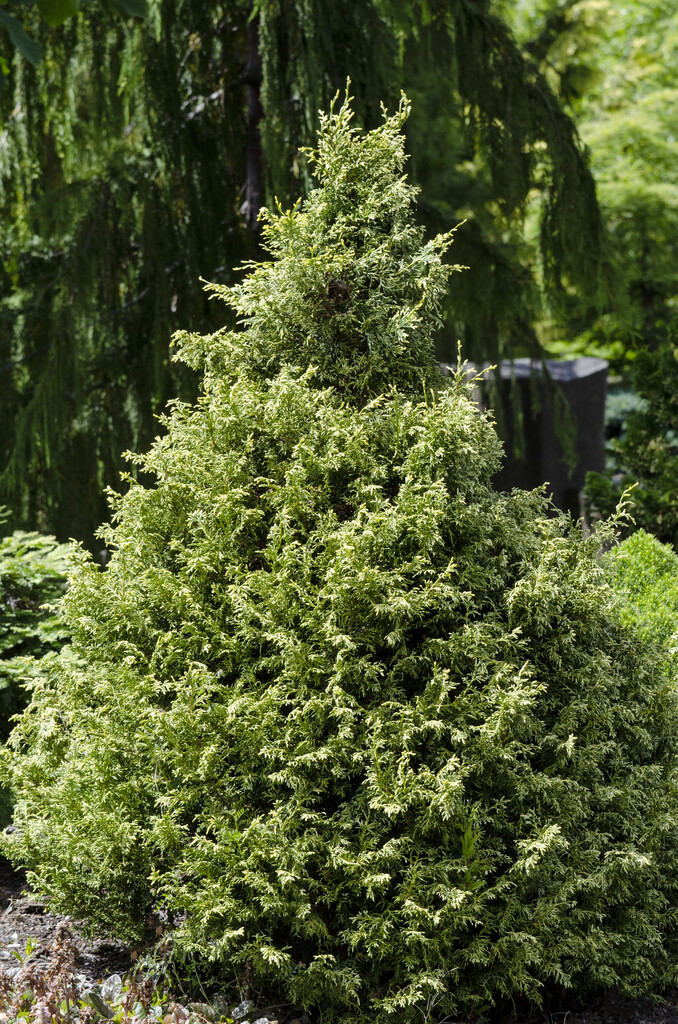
<point>368,729</point>
<point>32,580</point>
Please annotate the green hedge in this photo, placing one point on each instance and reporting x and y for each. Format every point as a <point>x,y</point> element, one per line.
<point>33,571</point>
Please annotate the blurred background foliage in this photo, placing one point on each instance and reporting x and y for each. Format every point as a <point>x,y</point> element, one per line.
<point>135,155</point>
<point>612,66</point>
<point>32,580</point>
<point>138,143</point>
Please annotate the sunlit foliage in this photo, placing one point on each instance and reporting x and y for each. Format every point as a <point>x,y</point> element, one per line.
<point>367,729</point>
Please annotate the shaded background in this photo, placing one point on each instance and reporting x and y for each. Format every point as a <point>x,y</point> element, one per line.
<point>138,146</point>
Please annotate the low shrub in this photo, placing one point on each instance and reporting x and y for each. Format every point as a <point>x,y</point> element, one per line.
<point>644,573</point>
<point>32,579</point>
<point>371,732</point>
<point>33,571</point>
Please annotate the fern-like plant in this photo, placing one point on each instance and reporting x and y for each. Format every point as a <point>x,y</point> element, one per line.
<point>368,728</point>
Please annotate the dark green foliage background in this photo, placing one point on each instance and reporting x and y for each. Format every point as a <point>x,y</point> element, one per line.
<point>128,162</point>
<point>372,732</point>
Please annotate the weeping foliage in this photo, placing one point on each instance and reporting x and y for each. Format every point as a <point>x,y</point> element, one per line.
<point>114,145</point>
<point>614,64</point>
<point>134,157</point>
<point>528,143</point>
<point>369,730</point>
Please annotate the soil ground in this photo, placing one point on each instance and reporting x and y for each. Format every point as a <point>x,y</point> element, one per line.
<point>23,917</point>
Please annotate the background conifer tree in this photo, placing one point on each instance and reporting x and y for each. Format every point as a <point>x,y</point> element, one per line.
<point>368,729</point>
<point>136,155</point>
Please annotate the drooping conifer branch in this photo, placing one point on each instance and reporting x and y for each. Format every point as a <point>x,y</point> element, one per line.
<point>148,150</point>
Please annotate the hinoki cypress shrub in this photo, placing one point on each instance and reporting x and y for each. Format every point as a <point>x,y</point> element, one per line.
<point>368,729</point>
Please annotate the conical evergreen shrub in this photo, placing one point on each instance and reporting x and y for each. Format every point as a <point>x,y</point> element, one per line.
<point>368,729</point>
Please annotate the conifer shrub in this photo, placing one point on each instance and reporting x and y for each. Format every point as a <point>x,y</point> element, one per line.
<point>370,731</point>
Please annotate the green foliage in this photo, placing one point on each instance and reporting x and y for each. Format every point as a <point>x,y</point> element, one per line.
<point>28,48</point>
<point>646,450</point>
<point>98,247</point>
<point>362,307</point>
<point>32,578</point>
<point>487,134</point>
<point>631,125</point>
<point>569,39</point>
<point>644,572</point>
<point>130,164</point>
<point>614,65</point>
<point>53,13</point>
<point>368,729</point>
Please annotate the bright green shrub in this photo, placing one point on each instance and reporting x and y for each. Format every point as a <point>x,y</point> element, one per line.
<point>644,572</point>
<point>368,728</point>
